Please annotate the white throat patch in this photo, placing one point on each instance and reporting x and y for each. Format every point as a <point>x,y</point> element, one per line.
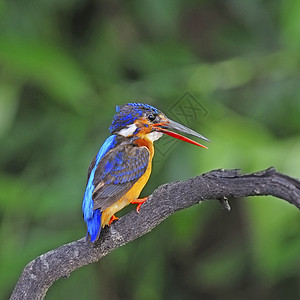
<point>154,136</point>
<point>128,131</point>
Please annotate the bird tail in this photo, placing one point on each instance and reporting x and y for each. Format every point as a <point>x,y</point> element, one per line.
<point>94,225</point>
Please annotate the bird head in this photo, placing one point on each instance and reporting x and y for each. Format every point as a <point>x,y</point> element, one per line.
<point>138,119</point>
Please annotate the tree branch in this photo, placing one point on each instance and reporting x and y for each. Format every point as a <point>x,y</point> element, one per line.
<point>43,271</point>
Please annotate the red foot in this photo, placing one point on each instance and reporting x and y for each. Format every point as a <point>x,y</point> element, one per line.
<point>139,202</point>
<point>113,218</point>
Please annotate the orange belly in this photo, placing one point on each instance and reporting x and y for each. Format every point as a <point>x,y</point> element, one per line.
<point>133,193</point>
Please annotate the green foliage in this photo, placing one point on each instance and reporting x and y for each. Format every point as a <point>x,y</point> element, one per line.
<point>66,64</point>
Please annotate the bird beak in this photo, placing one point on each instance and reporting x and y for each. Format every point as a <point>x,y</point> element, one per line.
<point>169,124</point>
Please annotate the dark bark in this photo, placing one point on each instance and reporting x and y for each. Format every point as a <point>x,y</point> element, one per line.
<point>43,271</point>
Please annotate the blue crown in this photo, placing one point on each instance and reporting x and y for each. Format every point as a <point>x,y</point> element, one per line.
<point>128,113</point>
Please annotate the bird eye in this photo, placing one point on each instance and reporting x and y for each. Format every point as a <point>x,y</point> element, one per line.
<point>151,117</point>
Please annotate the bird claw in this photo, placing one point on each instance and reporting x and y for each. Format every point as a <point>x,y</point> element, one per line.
<point>113,218</point>
<point>138,208</point>
<point>139,202</point>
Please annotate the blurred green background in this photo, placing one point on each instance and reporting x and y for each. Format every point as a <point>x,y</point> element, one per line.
<point>64,65</point>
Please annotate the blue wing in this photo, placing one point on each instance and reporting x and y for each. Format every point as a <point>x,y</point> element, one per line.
<point>93,217</point>
<point>117,172</point>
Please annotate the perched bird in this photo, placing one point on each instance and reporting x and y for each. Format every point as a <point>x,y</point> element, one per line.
<point>122,166</point>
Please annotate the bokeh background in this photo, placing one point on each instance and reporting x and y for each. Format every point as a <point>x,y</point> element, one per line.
<point>64,65</point>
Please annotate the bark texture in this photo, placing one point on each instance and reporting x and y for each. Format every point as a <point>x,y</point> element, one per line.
<point>42,272</point>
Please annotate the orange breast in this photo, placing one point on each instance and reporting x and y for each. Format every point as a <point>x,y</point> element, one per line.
<point>136,189</point>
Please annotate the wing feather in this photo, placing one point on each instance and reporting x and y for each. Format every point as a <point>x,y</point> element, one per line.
<point>117,172</point>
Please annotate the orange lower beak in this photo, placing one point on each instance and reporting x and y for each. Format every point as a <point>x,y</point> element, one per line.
<point>169,124</point>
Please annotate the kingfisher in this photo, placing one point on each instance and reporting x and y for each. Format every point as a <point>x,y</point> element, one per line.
<point>122,167</point>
